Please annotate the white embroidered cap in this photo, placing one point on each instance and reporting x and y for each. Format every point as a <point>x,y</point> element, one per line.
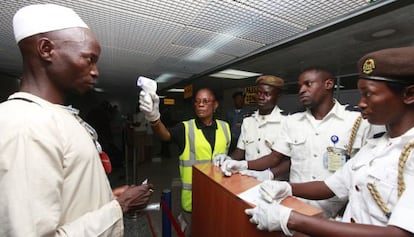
<point>41,18</point>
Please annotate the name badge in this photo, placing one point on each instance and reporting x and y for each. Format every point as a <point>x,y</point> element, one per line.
<point>335,158</point>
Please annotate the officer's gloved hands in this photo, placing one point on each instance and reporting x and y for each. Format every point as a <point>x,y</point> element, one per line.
<point>259,175</point>
<point>230,167</point>
<point>275,190</point>
<point>149,105</point>
<point>219,159</point>
<point>270,217</point>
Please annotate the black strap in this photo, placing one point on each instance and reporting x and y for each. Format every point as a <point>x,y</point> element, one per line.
<point>25,99</point>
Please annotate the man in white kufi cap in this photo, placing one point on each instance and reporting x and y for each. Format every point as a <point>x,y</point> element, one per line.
<point>52,180</point>
<point>41,18</point>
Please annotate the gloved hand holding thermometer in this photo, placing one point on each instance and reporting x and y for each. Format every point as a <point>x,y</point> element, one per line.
<point>148,99</point>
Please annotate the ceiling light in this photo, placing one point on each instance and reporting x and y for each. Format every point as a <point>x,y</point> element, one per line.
<point>98,89</point>
<point>176,90</point>
<point>165,77</point>
<point>234,74</point>
<point>383,33</point>
<point>340,87</point>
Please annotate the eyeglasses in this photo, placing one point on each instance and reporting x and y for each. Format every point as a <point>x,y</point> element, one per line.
<point>204,101</point>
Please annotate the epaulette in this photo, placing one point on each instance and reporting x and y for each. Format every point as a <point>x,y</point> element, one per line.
<point>353,108</point>
<point>378,135</point>
<point>300,109</point>
<point>284,112</point>
<point>249,114</point>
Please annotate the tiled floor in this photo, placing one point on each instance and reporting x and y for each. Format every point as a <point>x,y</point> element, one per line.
<point>163,173</point>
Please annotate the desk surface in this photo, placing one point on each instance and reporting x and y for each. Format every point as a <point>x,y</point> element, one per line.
<point>237,184</point>
<point>217,206</point>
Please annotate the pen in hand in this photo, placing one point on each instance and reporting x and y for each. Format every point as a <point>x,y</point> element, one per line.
<point>145,182</point>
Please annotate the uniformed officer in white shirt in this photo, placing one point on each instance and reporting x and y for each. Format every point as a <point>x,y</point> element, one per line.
<point>319,140</point>
<point>379,179</point>
<point>259,131</point>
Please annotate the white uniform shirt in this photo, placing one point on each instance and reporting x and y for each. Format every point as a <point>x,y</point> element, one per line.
<point>259,133</point>
<point>305,141</point>
<point>52,181</point>
<point>377,163</point>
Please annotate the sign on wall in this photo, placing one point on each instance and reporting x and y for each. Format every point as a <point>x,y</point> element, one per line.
<point>169,101</point>
<point>188,91</point>
<point>250,93</point>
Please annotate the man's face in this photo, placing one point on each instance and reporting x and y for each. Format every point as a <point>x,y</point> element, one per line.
<point>238,101</point>
<point>379,104</point>
<point>312,89</point>
<point>74,61</point>
<point>266,98</point>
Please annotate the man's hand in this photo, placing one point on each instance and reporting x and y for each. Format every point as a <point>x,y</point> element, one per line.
<point>219,159</point>
<point>133,197</point>
<point>259,175</point>
<point>119,190</point>
<point>149,105</point>
<point>275,190</point>
<point>233,166</point>
<point>270,217</point>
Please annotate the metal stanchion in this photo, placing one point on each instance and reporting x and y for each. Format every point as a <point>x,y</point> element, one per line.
<point>126,161</point>
<point>134,166</point>
<point>166,223</point>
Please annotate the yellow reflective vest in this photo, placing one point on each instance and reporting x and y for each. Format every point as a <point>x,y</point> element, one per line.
<point>197,150</point>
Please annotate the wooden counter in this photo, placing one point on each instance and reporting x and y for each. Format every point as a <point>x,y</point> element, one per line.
<point>219,212</point>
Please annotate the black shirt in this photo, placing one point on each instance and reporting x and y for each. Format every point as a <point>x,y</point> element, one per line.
<point>178,133</point>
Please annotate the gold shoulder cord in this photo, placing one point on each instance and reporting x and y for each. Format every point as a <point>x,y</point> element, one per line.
<point>401,184</point>
<point>354,131</point>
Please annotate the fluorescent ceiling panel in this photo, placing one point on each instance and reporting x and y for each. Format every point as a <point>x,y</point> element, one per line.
<point>234,74</point>
<point>176,90</point>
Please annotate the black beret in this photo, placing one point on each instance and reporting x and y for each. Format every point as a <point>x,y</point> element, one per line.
<point>238,93</point>
<point>391,65</point>
<point>270,80</point>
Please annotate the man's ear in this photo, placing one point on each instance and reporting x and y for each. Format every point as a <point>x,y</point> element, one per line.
<point>408,95</point>
<point>329,84</point>
<point>45,48</point>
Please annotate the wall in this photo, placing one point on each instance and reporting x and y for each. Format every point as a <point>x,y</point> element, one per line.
<point>8,85</point>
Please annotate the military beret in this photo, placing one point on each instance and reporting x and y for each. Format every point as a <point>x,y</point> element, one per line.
<point>391,65</point>
<point>237,93</point>
<point>270,80</point>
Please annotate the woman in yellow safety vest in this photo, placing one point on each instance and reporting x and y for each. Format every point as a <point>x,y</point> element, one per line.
<point>198,139</point>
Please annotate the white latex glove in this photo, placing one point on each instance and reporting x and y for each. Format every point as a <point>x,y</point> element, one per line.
<point>220,158</point>
<point>230,167</point>
<point>149,105</point>
<point>275,190</point>
<point>270,217</point>
<point>259,175</point>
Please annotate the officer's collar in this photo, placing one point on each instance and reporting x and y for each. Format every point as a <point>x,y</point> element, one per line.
<point>336,111</point>
<point>274,116</point>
